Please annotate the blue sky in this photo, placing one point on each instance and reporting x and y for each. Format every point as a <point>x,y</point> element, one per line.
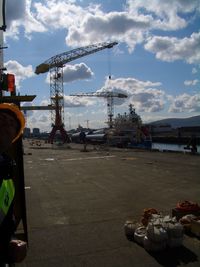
<point>156,62</point>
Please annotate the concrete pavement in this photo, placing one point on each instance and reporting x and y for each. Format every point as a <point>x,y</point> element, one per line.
<point>78,202</point>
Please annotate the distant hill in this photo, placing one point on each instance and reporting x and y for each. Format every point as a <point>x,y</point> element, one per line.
<point>180,122</point>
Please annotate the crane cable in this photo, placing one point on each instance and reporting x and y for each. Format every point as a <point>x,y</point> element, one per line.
<point>109,64</point>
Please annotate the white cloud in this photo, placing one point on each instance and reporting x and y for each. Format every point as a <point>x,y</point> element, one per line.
<point>150,100</point>
<point>194,70</point>
<point>76,72</point>
<point>21,72</point>
<point>75,101</point>
<point>90,24</point>
<point>15,10</point>
<point>129,85</point>
<point>59,14</point>
<point>167,15</point>
<point>191,82</point>
<point>45,102</point>
<point>43,118</point>
<point>185,103</point>
<point>171,48</point>
<point>19,13</point>
<point>141,94</point>
<point>37,118</point>
<point>114,26</point>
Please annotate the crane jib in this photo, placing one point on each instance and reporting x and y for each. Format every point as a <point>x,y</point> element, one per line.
<point>60,60</point>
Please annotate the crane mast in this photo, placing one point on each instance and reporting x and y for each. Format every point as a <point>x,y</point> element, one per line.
<point>110,102</point>
<point>55,65</point>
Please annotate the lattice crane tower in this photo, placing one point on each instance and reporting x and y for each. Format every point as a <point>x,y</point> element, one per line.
<point>55,65</point>
<point>110,102</point>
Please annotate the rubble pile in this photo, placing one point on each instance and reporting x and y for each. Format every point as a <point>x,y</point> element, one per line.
<point>159,233</point>
<point>156,232</point>
<point>188,214</point>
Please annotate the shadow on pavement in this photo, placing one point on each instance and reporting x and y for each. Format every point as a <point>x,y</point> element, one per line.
<point>175,257</point>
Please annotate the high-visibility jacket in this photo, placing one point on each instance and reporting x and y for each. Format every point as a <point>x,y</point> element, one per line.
<point>7,193</point>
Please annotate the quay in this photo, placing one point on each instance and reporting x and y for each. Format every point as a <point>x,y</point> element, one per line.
<point>77,204</point>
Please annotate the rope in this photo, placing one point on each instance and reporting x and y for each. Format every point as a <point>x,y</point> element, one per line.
<point>109,64</point>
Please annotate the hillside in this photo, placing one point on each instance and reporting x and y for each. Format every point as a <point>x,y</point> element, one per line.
<point>180,122</point>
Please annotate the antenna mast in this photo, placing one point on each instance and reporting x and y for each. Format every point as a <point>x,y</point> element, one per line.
<point>2,29</point>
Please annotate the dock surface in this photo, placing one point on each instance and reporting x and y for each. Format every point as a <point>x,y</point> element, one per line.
<point>78,202</point>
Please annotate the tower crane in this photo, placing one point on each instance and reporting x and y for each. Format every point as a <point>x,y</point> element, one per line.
<point>55,65</point>
<point>110,102</point>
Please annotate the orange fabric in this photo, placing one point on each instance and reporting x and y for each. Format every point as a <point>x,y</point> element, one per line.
<point>188,206</point>
<point>147,214</point>
<point>11,82</point>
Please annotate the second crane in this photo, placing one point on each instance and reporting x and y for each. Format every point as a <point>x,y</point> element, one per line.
<point>110,102</point>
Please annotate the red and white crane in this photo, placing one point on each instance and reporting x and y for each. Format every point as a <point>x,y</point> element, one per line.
<point>55,65</point>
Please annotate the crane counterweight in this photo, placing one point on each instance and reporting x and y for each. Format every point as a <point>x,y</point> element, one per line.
<point>42,68</point>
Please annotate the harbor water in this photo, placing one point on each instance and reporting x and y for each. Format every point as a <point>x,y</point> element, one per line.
<point>172,147</point>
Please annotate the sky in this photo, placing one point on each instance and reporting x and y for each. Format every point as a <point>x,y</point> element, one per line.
<point>156,62</point>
